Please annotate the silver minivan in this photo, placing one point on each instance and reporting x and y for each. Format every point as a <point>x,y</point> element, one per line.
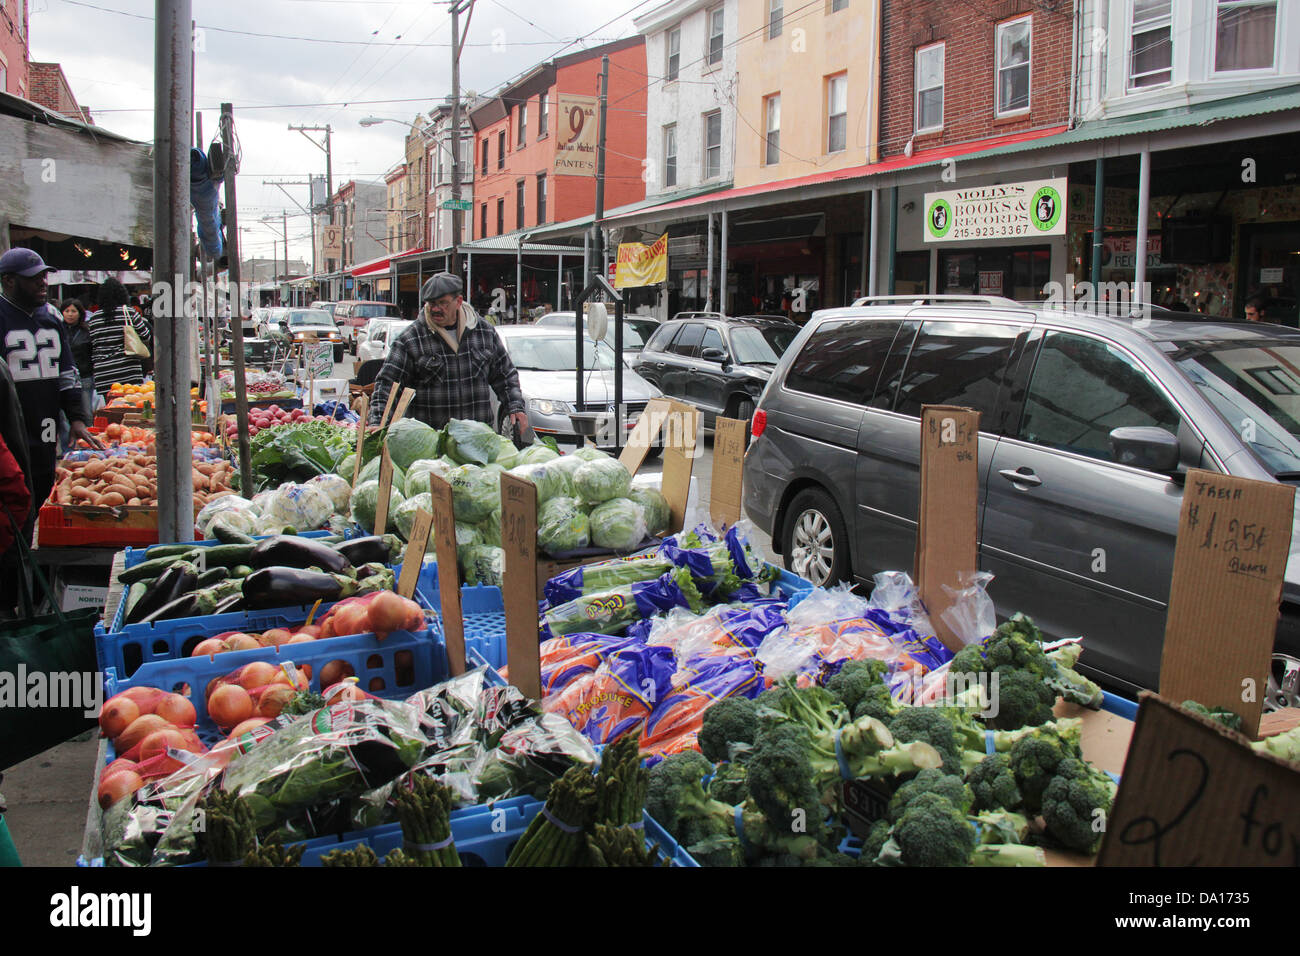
<point>1088,426</point>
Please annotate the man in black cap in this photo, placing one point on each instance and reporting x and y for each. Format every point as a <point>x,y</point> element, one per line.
<point>451,358</point>
<point>36,349</point>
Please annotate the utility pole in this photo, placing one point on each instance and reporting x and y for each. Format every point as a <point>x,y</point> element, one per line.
<point>284,222</point>
<point>280,184</point>
<point>173,115</point>
<point>329,178</point>
<point>236,303</point>
<point>457,41</point>
<point>600,166</point>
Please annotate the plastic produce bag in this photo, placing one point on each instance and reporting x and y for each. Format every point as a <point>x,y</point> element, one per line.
<point>619,697</point>
<point>484,564</point>
<point>338,488</point>
<point>674,724</point>
<point>618,524</point>
<point>971,614</point>
<point>600,480</point>
<point>536,454</point>
<point>476,492</point>
<point>551,481</point>
<point>226,503</point>
<point>562,526</point>
<point>302,506</point>
<point>603,575</point>
<point>658,516</point>
<point>565,659</point>
<point>370,472</point>
<point>608,612</point>
<point>404,515</point>
<point>365,499</point>
<point>417,476</point>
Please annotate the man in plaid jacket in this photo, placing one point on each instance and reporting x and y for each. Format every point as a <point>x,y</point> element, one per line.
<point>451,358</point>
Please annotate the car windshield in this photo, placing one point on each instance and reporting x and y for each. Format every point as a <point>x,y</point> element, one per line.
<point>760,346</point>
<point>372,311</point>
<point>1255,388</point>
<point>310,317</point>
<point>555,353</point>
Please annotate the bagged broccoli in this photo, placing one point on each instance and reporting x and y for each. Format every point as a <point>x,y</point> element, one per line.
<point>536,454</point>
<point>562,526</point>
<point>470,442</point>
<point>601,480</point>
<point>370,471</point>
<point>551,481</point>
<point>366,498</point>
<point>410,440</point>
<point>618,524</point>
<point>657,513</point>
<point>337,487</point>
<point>404,515</point>
<point>302,506</point>
<point>476,492</point>
<point>483,564</point>
<point>417,476</point>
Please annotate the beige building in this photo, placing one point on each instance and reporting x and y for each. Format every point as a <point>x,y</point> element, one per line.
<point>396,183</point>
<point>807,99</point>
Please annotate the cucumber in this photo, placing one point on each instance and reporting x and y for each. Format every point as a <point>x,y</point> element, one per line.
<point>148,569</point>
<point>212,576</point>
<point>137,591</point>
<point>227,555</point>
<point>227,535</point>
<point>167,551</point>
<point>240,571</point>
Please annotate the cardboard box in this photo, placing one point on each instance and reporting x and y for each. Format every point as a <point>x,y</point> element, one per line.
<point>77,596</point>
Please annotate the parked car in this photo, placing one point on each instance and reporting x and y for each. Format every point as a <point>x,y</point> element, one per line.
<point>374,341</point>
<point>547,364</point>
<point>270,321</point>
<point>305,325</point>
<point>637,329</point>
<point>718,365</point>
<point>352,315</point>
<point>1078,537</point>
<point>327,306</point>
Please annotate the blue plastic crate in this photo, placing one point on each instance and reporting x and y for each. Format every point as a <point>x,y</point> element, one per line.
<point>1120,706</point>
<point>133,556</point>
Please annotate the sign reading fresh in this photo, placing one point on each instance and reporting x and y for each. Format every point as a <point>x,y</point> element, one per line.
<point>1008,211</point>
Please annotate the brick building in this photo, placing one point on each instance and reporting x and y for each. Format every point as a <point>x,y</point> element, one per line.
<point>48,86</point>
<point>13,47</point>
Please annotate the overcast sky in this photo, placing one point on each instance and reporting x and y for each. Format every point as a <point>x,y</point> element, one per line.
<point>397,52</point>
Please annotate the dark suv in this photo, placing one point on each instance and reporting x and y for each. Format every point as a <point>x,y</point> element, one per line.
<point>719,365</point>
<point>832,471</point>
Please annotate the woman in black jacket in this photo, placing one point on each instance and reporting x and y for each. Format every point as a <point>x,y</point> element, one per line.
<point>74,318</point>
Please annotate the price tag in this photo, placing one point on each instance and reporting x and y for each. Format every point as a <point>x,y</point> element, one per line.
<point>182,756</point>
<point>415,550</point>
<point>388,408</point>
<point>385,491</point>
<point>1234,536</point>
<point>361,437</point>
<point>444,541</point>
<point>519,541</point>
<point>403,404</point>
<point>729,436</point>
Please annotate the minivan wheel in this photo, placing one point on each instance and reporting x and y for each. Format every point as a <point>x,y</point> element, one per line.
<point>1283,683</point>
<point>743,409</point>
<point>814,542</point>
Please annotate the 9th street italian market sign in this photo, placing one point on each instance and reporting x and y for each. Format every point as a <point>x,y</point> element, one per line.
<point>1008,211</point>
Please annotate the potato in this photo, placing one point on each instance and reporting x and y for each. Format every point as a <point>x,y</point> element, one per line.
<point>134,501</point>
<point>111,500</point>
<point>80,492</point>
<point>95,468</point>
<point>124,488</point>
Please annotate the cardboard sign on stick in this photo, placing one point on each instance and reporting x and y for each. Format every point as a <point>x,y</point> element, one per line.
<point>361,437</point>
<point>385,491</point>
<point>415,549</point>
<point>643,435</point>
<point>519,541</point>
<point>680,451</point>
<point>444,544</point>
<point>1233,538</point>
<point>729,436</point>
<point>1194,793</point>
<point>388,408</point>
<point>946,545</point>
<point>403,404</point>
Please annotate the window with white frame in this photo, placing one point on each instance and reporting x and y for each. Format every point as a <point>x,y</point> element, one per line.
<point>775,12</point>
<point>1151,55</point>
<point>543,113</point>
<point>1014,39</point>
<point>838,5</point>
<point>713,144</point>
<point>1245,35</point>
<point>670,155</point>
<point>714,56</point>
<point>929,88</point>
<point>523,124</point>
<point>837,113</point>
<point>772,110</point>
<point>673,49</point>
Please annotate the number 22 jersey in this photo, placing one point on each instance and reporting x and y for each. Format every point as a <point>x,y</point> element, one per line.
<point>40,362</point>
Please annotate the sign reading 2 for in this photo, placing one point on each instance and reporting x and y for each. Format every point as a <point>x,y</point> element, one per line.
<point>33,355</point>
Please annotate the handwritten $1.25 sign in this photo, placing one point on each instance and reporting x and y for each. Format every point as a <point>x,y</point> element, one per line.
<point>1234,535</point>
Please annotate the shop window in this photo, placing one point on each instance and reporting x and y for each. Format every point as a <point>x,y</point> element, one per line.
<point>838,5</point>
<point>929,88</point>
<point>501,215</point>
<point>523,124</point>
<point>1014,41</point>
<point>1151,55</point>
<point>501,149</point>
<point>837,113</point>
<point>1245,35</point>
<point>482,217</point>
<point>911,272</point>
<point>842,360</point>
<point>541,198</point>
<point>772,110</point>
<point>486,141</point>
<point>543,113</point>
<point>956,363</point>
<point>519,204</point>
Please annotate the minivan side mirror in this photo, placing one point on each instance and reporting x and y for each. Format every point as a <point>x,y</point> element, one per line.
<point>714,355</point>
<point>1144,446</point>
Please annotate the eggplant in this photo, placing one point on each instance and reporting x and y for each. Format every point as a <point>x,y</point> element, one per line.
<point>288,587</point>
<point>290,551</point>
<point>170,585</point>
<point>365,550</point>
<point>233,603</point>
<point>184,606</point>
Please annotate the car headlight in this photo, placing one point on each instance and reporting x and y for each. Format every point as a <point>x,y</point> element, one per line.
<point>548,407</point>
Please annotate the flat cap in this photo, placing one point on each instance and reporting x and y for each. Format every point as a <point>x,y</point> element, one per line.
<point>436,286</point>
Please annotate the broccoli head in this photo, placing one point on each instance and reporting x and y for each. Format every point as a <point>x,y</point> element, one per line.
<point>1076,803</point>
<point>730,783</point>
<point>1034,760</point>
<point>1219,715</point>
<point>932,725</point>
<point>993,784</point>
<point>730,721</point>
<point>814,707</point>
<point>877,702</point>
<point>946,785</point>
<point>933,832</point>
<point>1068,682</point>
<point>968,660</point>
<point>1022,699</point>
<point>875,839</point>
<point>855,680</point>
<point>782,771</point>
<point>676,799</point>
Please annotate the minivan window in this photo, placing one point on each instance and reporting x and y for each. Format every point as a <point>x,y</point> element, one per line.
<point>712,340</point>
<point>756,345</point>
<point>956,363</point>
<point>1081,389</point>
<point>841,360</point>
<point>690,337</point>
<point>659,341</point>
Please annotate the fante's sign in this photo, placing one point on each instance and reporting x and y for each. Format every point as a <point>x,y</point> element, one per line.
<point>640,264</point>
<point>1012,210</point>
<point>576,136</point>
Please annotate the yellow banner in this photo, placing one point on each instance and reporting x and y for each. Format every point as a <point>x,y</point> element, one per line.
<point>639,264</point>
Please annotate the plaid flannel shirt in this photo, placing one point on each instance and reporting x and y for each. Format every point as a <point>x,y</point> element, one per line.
<point>448,384</point>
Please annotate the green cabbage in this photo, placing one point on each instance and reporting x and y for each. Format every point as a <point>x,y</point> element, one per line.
<point>476,492</point>
<point>366,498</point>
<point>657,513</point>
<point>466,535</point>
<point>562,526</point>
<point>601,480</point>
<point>409,440</point>
<point>507,455</point>
<point>618,524</point>
<point>569,464</point>
<point>471,443</point>
<point>483,564</point>
<point>404,514</point>
<point>417,476</point>
<point>370,472</point>
<point>588,453</point>
<point>551,481</point>
<point>490,529</point>
<point>536,454</point>
<point>347,465</point>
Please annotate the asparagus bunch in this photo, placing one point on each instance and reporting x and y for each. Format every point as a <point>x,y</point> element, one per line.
<point>360,855</point>
<point>228,834</point>
<point>619,846</point>
<point>556,835</point>
<point>621,784</point>
<point>424,809</point>
<point>274,853</point>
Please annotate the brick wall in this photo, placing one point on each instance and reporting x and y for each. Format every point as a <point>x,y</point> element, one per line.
<point>49,87</point>
<point>968,29</point>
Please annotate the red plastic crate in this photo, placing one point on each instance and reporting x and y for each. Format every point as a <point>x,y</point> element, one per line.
<point>63,526</point>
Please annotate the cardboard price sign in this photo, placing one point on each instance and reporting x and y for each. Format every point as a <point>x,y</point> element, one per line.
<point>444,544</point>
<point>519,541</point>
<point>1194,793</point>
<point>644,433</point>
<point>385,491</point>
<point>729,435</point>
<point>415,549</point>
<point>361,437</point>
<point>946,545</point>
<point>403,403</point>
<point>1233,538</point>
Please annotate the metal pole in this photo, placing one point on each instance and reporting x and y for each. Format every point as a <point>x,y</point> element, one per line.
<point>1098,225</point>
<point>873,266</point>
<point>173,115</point>
<point>600,165</point>
<point>469,271</point>
<point>586,256</point>
<point>559,284</point>
<point>329,199</point>
<point>236,295</point>
<point>708,271</point>
<point>722,266</point>
<point>1139,295</point>
<point>893,235</point>
<point>519,280</point>
<point>284,225</point>
<point>456,213</point>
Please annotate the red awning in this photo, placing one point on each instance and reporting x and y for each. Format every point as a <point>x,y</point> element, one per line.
<point>373,267</point>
